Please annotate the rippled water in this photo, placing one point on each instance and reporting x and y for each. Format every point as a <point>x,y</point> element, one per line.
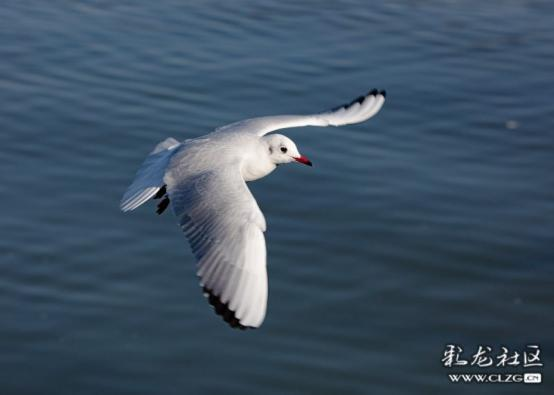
<point>432,223</point>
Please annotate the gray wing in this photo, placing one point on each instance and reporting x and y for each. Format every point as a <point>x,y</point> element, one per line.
<point>224,226</point>
<point>358,110</point>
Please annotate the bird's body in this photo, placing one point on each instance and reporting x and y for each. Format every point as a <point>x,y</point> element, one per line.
<point>244,150</point>
<point>203,179</point>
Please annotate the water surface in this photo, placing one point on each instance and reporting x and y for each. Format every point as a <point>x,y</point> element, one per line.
<point>432,223</point>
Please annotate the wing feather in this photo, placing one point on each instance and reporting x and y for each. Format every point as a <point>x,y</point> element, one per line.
<point>359,110</point>
<point>149,177</point>
<point>224,226</point>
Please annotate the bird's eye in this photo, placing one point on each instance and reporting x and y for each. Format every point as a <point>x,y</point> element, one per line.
<point>284,150</point>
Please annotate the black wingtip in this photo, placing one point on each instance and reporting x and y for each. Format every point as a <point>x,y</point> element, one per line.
<point>161,192</point>
<point>359,100</point>
<point>376,92</point>
<point>223,310</point>
<point>162,205</point>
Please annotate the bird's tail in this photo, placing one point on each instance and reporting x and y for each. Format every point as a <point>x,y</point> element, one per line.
<point>149,178</point>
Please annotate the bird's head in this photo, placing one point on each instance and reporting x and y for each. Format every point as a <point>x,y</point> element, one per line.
<point>281,150</point>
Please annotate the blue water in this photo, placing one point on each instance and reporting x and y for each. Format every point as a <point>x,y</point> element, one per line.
<point>433,223</point>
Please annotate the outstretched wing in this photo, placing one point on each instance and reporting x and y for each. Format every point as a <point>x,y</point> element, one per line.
<point>149,177</point>
<point>358,110</point>
<point>224,226</point>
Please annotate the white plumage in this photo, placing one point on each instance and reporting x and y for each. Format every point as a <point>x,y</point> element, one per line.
<point>149,177</point>
<point>204,179</point>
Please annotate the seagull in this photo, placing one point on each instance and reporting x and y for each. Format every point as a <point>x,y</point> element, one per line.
<point>204,181</point>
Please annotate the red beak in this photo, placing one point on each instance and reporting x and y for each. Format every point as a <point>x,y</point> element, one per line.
<point>302,159</point>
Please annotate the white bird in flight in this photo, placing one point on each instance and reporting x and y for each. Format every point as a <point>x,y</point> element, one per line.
<point>204,179</point>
